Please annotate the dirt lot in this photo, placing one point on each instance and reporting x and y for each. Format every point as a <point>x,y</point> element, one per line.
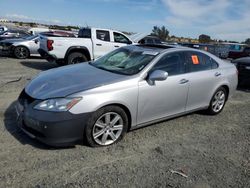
<point>211,151</point>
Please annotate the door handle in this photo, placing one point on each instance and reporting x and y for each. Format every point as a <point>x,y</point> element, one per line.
<point>183,81</point>
<point>217,74</point>
<point>98,44</point>
<point>117,46</point>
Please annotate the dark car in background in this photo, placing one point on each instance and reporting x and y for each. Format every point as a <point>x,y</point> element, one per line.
<point>13,34</point>
<point>238,54</point>
<point>243,67</point>
<point>150,40</point>
<point>58,34</point>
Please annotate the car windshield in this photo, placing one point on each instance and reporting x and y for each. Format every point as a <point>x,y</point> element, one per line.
<point>126,61</point>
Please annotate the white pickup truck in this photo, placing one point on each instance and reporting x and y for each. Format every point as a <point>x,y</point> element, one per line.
<point>90,44</point>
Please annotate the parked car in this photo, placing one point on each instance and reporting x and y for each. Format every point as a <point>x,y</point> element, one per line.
<point>150,40</point>
<point>238,54</point>
<point>90,44</point>
<point>20,48</point>
<point>243,66</point>
<point>37,30</point>
<point>58,34</point>
<point>128,88</point>
<point>3,28</point>
<point>14,34</point>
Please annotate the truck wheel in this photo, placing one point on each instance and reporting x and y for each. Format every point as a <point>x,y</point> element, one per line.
<point>60,62</point>
<point>76,57</point>
<point>21,52</point>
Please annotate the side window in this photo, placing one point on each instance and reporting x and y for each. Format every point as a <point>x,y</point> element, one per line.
<point>120,38</point>
<point>172,63</point>
<point>84,33</point>
<point>103,35</point>
<point>200,62</point>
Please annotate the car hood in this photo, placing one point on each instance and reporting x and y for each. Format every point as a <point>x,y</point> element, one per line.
<point>137,37</point>
<point>245,60</point>
<point>61,82</point>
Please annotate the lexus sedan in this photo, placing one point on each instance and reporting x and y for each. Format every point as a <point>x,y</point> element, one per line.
<point>128,88</point>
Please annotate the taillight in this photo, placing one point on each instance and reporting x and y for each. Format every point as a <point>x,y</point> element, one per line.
<point>49,45</point>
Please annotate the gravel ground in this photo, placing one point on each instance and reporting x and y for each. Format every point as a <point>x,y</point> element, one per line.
<point>212,151</point>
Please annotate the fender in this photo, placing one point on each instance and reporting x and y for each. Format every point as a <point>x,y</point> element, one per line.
<point>77,48</point>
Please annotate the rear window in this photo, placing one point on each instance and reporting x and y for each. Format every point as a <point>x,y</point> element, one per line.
<point>84,33</point>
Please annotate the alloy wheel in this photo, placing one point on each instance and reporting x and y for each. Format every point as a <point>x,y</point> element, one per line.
<point>218,101</point>
<point>108,128</point>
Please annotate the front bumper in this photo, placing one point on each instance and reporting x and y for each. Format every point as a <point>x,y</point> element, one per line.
<point>6,50</point>
<point>51,128</point>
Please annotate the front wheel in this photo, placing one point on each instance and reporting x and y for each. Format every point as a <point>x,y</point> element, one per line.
<point>107,126</point>
<point>76,57</point>
<point>218,101</point>
<point>21,52</point>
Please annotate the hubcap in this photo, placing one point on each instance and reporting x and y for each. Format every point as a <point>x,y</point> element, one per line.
<point>107,128</point>
<point>218,101</point>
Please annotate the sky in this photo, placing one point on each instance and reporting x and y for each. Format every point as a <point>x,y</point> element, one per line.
<point>221,19</point>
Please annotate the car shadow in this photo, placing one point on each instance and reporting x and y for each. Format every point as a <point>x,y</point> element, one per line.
<point>10,123</point>
<point>43,65</point>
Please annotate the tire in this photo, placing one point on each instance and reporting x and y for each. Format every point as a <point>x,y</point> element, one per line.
<point>100,131</point>
<point>60,62</point>
<point>21,52</point>
<point>218,101</point>
<point>76,57</point>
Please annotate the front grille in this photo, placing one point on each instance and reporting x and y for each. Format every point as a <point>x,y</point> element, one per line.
<point>24,99</point>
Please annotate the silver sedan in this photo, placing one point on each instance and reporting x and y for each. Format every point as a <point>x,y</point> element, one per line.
<point>128,88</point>
<point>21,48</point>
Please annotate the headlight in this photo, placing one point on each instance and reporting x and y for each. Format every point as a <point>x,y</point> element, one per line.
<point>57,105</point>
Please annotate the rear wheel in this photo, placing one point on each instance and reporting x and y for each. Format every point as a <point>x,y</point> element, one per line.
<point>76,57</point>
<point>218,101</point>
<point>21,52</point>
<point>107,126</point>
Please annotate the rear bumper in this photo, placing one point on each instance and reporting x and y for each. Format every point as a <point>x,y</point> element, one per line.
<point>47,56</point>
<point>51,128</point>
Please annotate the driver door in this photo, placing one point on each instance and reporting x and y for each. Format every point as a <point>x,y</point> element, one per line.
<point>164,98</point>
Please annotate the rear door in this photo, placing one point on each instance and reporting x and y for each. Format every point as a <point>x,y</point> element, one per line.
<point>203,77</point>
<point>102,42</point>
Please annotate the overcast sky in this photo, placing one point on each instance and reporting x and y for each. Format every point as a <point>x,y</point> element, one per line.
<point>221,19</point>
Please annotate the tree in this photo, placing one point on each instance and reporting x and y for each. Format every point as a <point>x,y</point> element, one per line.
<point>204,38</point>
<point>247,41</point>
<point>160,32</point>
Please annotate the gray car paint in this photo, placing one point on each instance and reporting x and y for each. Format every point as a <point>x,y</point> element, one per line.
<point>59,83</point>
<point>145,102</point>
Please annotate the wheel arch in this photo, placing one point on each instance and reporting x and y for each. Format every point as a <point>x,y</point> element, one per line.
<point>80,49</point>
<point>20,45</point>
<point>226,87</point>
<point>126,110</point>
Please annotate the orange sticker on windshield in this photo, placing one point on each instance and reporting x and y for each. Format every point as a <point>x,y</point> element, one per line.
<point>195,60</point>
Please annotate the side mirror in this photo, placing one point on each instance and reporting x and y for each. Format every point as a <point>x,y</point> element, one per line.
<point>157,75</point>
<point>36,41</point>
<point>130,42</point>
